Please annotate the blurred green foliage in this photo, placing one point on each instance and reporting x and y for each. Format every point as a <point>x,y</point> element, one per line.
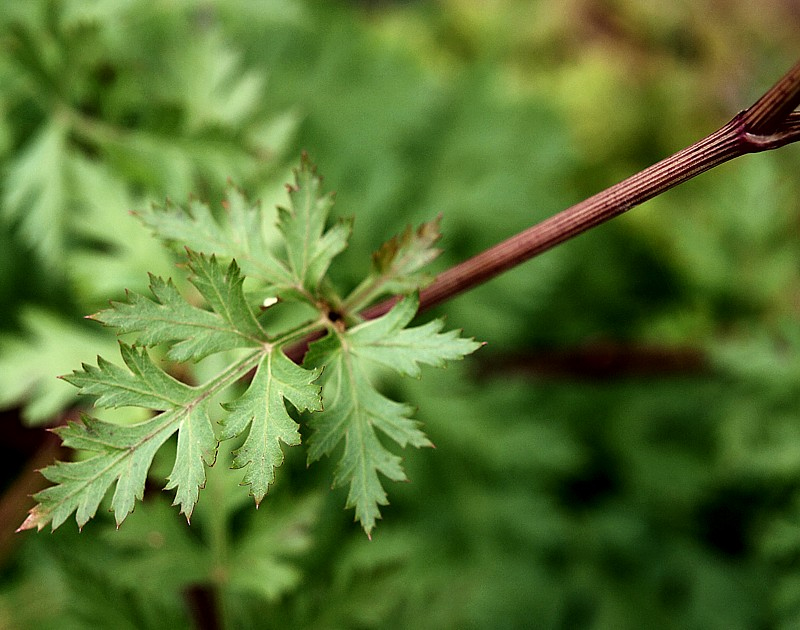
<point>622,454</point>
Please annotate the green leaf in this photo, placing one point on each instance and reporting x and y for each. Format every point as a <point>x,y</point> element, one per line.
<point>309,247</point>
<point>354,409</point>
<point>35,192</point>
<point>397,265</point>
<point>107,237</point>
<point>31,361</point>
<point>124,453</point>
<point>83,484</point>
<point>239,232</point>
<point>404,255</point>
<point>223,292</point>
<point>197,448</point>
<point>218,92</point>
<point>263,561</point>
<point>143,384</point>
<point>387,341</point>
<point>193,332</point>
<point>263,409</point>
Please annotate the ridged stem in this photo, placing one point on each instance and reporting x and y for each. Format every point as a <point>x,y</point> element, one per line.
<point>768,124</point>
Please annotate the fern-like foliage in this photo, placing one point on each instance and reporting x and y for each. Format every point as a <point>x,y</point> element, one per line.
<point>334,385</point>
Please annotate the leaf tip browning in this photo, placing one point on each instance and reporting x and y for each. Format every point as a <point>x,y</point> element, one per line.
<point>34,519</point>
<point>306,163</point>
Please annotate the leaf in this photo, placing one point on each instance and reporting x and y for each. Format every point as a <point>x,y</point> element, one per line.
<point>35,192</point>
<point>111,239</point>
<point>197,448</point>
<point>397,265</point>
<point>263,561</point>
<point>223,292</point>
<point>262,408</point>
<point>406,254</point>
<point>124,453</point>
<point>386,341</point>
<point>219,92</point>
<point>310,248</point>
<point>193,332</point>
<point>31,361</point>
<point>240,233</point>
<point>354,409</point>
<point>237,233</point>
<point>143,384</point>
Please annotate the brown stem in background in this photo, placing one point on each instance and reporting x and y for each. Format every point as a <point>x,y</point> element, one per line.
<point>203,607</point>
<point>16,500</point>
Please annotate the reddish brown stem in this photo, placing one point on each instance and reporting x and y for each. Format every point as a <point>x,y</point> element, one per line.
<point>768,113</point>
<point>770,123</point>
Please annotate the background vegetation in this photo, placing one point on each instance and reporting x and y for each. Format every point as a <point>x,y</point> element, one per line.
<point>624,453</point>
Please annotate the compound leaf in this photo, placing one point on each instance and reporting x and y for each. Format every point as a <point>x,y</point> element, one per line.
<point>355,413</point>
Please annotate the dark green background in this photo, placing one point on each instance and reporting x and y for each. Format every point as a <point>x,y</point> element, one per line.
<point>623,453</point>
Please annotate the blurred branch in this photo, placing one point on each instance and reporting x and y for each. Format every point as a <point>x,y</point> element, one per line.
<point>16,500</point>
<point>770,123</point>
<point>203,607</point>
